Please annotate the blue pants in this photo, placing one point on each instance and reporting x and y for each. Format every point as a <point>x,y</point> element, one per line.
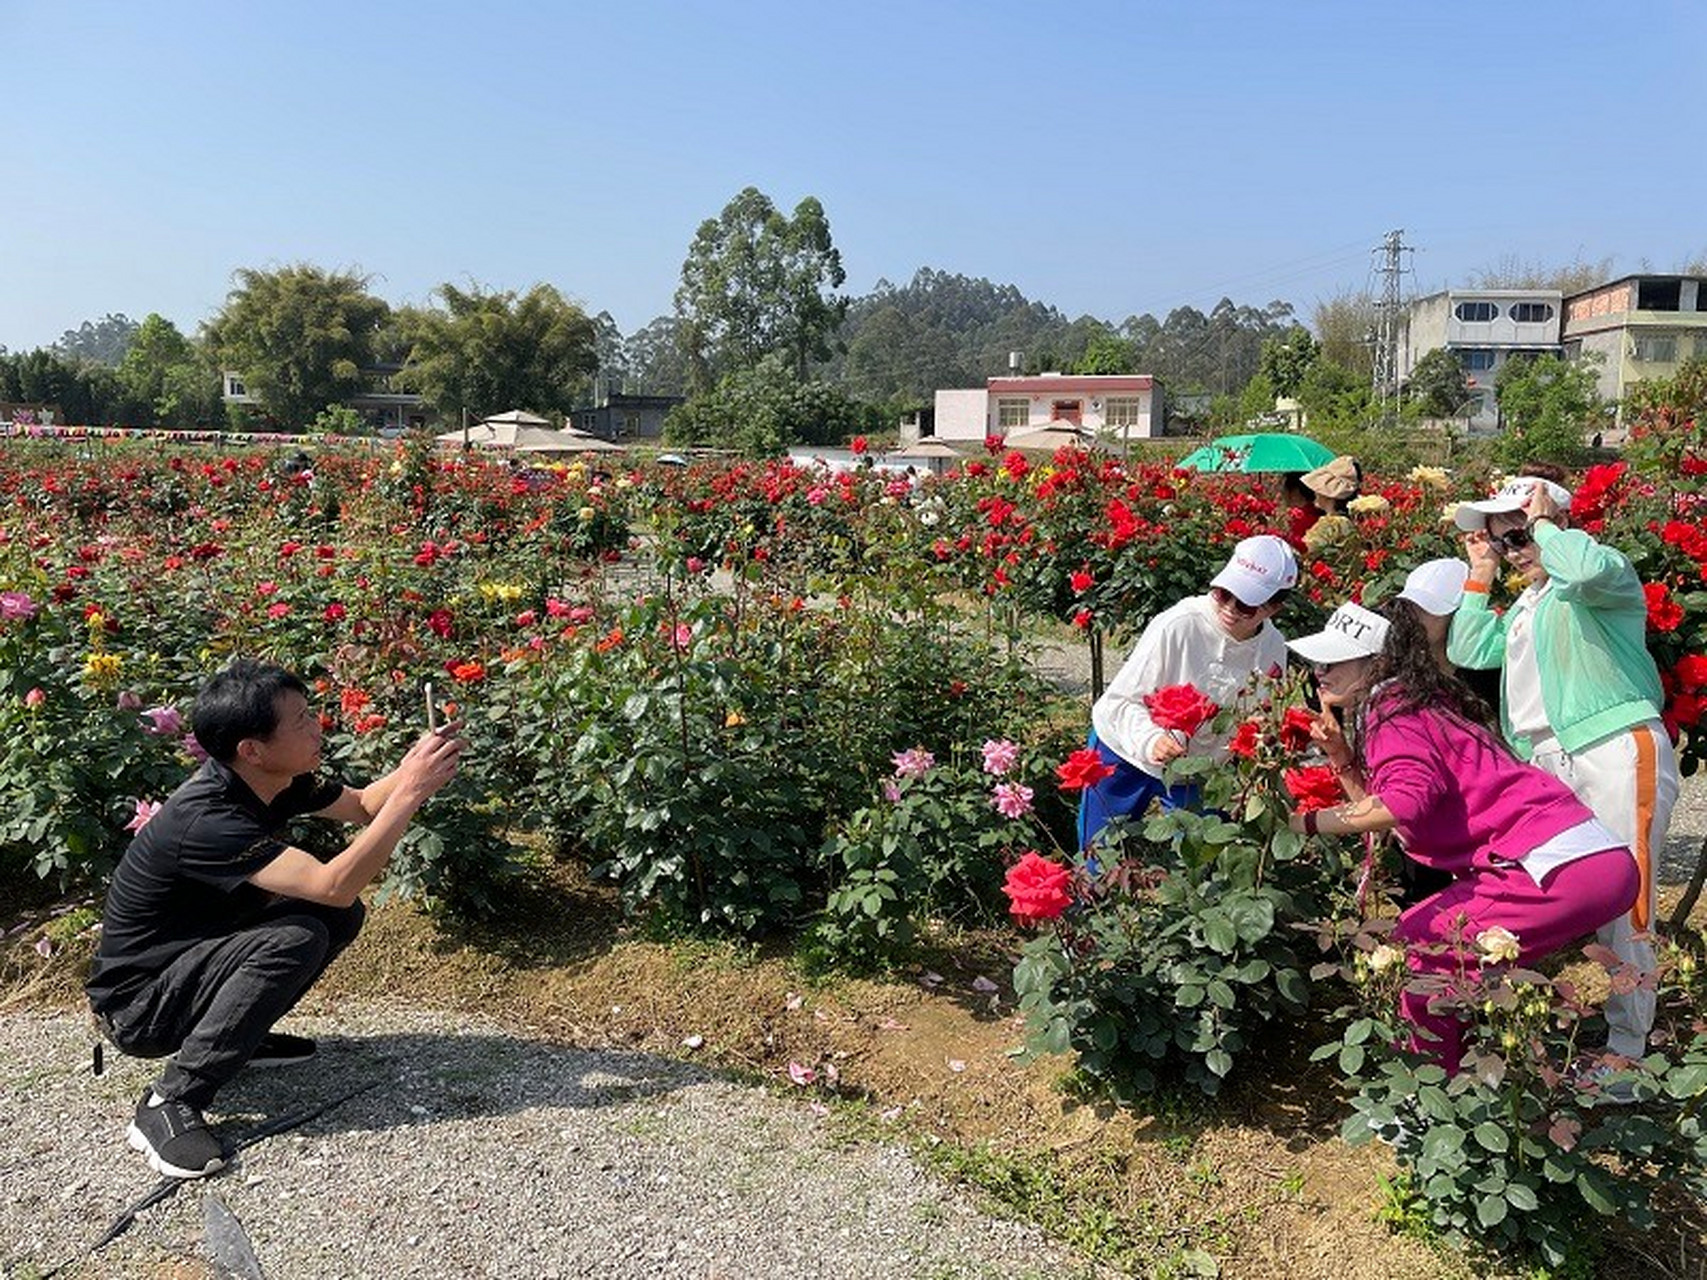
<point>1126,792</point>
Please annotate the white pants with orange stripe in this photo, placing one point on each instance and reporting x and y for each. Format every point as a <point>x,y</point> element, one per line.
<point>1630,781</point>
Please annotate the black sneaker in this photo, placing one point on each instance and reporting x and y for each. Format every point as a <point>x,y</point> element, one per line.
<point>280,1050</point>
<point>175,1138</point>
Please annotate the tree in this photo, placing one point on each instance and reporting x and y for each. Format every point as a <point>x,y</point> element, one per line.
<point>299,337</point>
<point>1285,360</point>
<point>1345,328</point>
<point>1548,406</point>
<point>761,411</point>
<point>1439,387</point>
<point>653,359</point>
<point>102,341</point>
<point>1107,353</point>
<point>756,282</point>
<point>489,352</point>
<point>1511,272</point>
<point>164,373</point>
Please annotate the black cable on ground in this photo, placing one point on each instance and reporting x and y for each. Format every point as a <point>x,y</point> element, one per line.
<point>166,1188</point>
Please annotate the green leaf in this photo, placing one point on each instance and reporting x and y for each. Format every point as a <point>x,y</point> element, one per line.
<point>1351,1059</point>
<point>1359,1031</point>
<point>1522,1196</point>
<point>1492,1136</point>
<point>1219,933</point>
<point>1218,1061</point>
<point>1491,1210</point>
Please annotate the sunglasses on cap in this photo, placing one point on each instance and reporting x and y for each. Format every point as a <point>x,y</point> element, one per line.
<point>1227,600</point>
<point>1511,540</point>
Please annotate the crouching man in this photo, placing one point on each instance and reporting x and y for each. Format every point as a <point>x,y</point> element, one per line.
<point>214,927</point>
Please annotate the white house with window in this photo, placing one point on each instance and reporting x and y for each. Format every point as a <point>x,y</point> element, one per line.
<point>1116,407</point>
<point>1484,328</point>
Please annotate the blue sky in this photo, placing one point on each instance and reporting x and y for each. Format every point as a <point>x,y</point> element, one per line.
<point>1109,158</point>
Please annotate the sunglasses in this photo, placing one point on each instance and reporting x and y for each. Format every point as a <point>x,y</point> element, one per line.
<point>1227,600</point>
<point>1512,540</point>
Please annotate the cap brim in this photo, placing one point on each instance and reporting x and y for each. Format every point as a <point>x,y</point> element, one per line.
<point>1250,590</point>
<point>1327,647</point>
<point>1471,516</point>
<point>1431,603</point>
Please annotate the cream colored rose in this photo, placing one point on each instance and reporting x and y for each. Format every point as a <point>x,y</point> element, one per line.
<point>1367,504</point>
<point>1384,957</point>
<point>1498,945</point>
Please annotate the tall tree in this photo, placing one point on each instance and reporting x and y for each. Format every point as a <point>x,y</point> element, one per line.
<point>756,282</point>
<point>1285,360</point>
<point>491,352</point>
<point>102,341</point>
<point>165,374</point>
<point>299,337</point>
<point>653,359</point>
<point>1345,326</point>
<point>761,411</point>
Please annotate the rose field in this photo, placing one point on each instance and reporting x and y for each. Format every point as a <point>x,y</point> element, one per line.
<point>763,707</point>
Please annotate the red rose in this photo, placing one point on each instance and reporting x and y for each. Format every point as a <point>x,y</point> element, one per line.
<point>1037,888</point>
<point>1682,712</point>
<point>1084,768</point>
<point>1246,739</point>
<point>1180,706</point>
<point>1691,671</point>
<point>1081,581</point>
<point>1313,788</point>
<point>859,444</point>
<point>1295,728</point>
<point>1664,613</point>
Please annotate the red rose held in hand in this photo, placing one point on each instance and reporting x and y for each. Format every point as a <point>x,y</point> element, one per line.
<point>1184,707</point>
<point>1084,768</point>
<point>1314,788</point>
<point>1037,888</point>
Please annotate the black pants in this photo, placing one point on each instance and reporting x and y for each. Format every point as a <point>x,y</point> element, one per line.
<point>212,1005</point>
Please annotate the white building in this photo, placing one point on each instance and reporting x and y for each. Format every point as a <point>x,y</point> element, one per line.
<point>1114,406</point>
<point>1484,328</point>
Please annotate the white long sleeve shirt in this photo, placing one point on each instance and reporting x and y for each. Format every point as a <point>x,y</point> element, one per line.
<point>1182,645</point>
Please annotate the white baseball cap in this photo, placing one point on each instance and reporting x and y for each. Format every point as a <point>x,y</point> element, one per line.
<point>1436,586</point>
<point>1260,566</point>
<point>1510,496</point>
<point>1352,632</point>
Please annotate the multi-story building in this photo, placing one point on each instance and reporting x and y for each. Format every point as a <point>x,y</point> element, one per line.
<point>1642,326</point>
<point>1114,407</point>
<point>1484,328</point>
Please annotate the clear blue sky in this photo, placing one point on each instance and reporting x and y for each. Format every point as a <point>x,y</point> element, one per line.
<point>1110,157</point>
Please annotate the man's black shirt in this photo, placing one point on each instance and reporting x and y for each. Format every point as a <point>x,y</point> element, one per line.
<point>185,877</point>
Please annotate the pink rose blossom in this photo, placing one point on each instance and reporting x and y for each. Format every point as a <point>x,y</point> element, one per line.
<point>128,700</point>
<point>34,698</point>
<point>145,811</point>
<point>166,722</point>
<point>1012,799</point>
<point>1000,755</point>
<point>193,749</point>
<point>15,605</point>
<point>915,762</point>
<point>891,792</point>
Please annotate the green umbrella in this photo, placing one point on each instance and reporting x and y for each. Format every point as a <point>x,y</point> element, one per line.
<point>1269,451</point>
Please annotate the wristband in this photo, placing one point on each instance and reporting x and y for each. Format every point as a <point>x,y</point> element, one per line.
<point>1310,821</point>
<point>1477,588</point>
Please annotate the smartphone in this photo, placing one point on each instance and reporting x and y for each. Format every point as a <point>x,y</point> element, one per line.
<point>432,709</point>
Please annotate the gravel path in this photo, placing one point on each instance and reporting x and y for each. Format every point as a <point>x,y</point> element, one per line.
<point>481,1153</point>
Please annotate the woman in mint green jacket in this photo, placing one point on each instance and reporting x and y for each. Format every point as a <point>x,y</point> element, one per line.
<point>1580,696</point>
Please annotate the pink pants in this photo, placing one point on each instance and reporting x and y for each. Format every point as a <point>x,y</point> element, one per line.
<point>1576,899</point>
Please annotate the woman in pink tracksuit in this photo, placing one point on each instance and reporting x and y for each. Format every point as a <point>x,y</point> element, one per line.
<point>1420,758</point>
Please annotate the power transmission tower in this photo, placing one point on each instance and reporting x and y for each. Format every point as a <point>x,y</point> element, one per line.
<point>1388,311</point>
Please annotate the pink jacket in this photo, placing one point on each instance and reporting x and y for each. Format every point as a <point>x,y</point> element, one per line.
<point>1458,795</point>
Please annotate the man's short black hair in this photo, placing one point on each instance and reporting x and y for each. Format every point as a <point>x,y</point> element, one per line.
<point>240,702</point>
